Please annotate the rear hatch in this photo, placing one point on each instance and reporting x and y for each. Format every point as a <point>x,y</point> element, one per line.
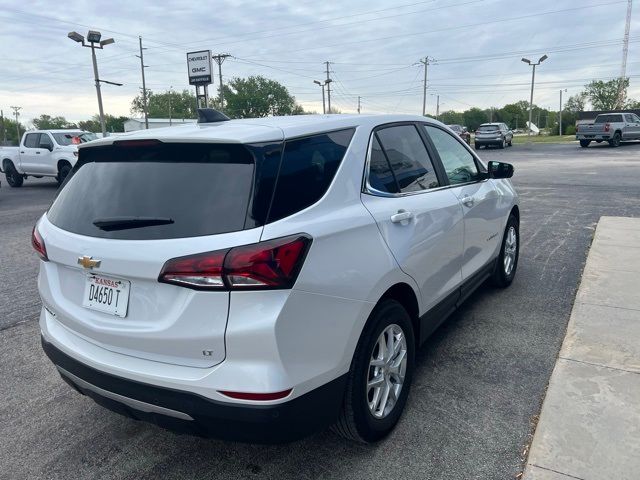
<point>126,210</point>
<point>488,132</point>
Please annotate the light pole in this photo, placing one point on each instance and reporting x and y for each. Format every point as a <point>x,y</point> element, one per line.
<point>324,110</point>
<point>93,39</point>
<point>170,92</point>
<point>533,79</point>
<point>560,119</point>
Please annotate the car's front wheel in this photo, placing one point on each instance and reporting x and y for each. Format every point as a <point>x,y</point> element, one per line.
<point>380,375</point>
<point>507,262</point>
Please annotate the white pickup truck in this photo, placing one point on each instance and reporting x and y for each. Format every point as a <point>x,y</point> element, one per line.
<point>42,153</point>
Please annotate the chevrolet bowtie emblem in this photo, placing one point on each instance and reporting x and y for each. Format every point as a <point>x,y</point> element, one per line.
<point>88,262</point>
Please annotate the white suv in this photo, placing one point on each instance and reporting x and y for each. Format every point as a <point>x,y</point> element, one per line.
<point>261,279</point>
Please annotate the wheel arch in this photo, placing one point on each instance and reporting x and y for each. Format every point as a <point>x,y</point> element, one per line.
<point>5,162</point>
<point>404,294</point>
<point>62,162</point>
<point>515,211</point>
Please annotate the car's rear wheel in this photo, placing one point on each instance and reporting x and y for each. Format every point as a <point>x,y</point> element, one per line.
<point>507,261</point>
<point>502,144</point>
<point>615,141</point>
<point>14,179</point>
<point>585,143</point>
<point>380,375</point>
<point>477,146</point>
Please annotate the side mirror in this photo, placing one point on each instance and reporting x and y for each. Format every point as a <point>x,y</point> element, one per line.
<point>500,170</point>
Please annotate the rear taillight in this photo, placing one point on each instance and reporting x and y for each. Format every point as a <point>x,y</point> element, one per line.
<point>265,265</point>
<point>607,127</point>
<point>38,244</point>
<point>260,397</point>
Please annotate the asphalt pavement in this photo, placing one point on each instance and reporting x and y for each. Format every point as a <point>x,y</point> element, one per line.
<point>477,391</point>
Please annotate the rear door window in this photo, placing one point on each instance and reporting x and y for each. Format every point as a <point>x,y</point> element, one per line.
<point>306,171</point>
<point>381,177</point>
<point>160,191</point>
<point>31,140</point>
<point>45,141</point>
<point>408,157</point>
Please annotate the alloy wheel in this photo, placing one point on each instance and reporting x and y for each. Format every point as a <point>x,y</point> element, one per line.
<point>387,368</point>
<point>510,250</point>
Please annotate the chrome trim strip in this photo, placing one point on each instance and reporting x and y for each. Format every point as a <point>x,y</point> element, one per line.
<point>130,402</point>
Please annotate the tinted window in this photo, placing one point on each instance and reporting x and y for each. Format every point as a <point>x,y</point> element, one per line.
<point>380,175</point>
<point>307,169</point>
<point>488,128</point>
<point>629,118</point>
<point>67,138</point>
<point>31,140</point>
<point>45,141</point>
<point>203,189</point>
<point>458,162</point>
<point>608,118</point>
<point>408,158</point>
<point>635,118</point>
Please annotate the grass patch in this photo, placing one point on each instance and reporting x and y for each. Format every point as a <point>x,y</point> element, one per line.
<point>520,140</point>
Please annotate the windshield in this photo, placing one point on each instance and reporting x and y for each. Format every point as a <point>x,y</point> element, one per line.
<point>488,128</point>
<point>73,138</point>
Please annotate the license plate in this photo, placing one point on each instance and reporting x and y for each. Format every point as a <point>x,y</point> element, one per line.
<point>108,295</point>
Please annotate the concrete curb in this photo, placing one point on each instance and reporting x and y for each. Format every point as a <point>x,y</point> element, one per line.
<point>589,427</point>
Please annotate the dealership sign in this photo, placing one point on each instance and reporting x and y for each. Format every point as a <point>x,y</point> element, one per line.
<point>199,67</point>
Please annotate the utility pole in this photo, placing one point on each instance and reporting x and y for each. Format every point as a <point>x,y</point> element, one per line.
<point>359,104</point>
<point>328,84</point>
<point>560,114</point>
<point>437,107</point>
<point>144,86</point>
<point>170,92</point>
<point>221,57</point>
<point>15,112</point>
<point>425,61</point>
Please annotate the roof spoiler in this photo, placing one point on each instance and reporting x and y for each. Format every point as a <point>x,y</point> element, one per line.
<point>211,115</point>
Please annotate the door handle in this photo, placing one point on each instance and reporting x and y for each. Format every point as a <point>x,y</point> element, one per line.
<point>37,153</point>
<point>468,201</point>
<point>401,216</point>
<point>21,152</point>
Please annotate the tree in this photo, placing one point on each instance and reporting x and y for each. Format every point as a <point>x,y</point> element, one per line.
<point>167,104</point>
<point>47,122</point>
<point>257,96</point>
<point>474,117</point>
<point>575,103</point>
<point>10,132</point>
<point>452,117</point>
<point>604,95</point>
<point>112,124</point>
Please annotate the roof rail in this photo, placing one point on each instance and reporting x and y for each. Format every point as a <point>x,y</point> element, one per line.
<point>211,115</point>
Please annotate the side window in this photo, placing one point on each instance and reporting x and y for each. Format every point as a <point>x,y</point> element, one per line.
<point>408,157</point>
<point>31,140</point>
<point>45,141</point>
<point>380,175</point>
<point>306,171</point>
<point>636,118</point>
<point>457,160</point>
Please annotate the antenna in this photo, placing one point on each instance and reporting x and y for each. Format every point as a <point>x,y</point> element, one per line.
<point>625,52</point>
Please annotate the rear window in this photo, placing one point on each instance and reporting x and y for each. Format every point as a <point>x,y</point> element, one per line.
<point>608,118</point>
<point>308,167</point>
<point>178,190</point>
<point>488,128</point>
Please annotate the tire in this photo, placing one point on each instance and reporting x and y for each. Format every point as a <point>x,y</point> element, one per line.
<point>510,142</point>
<point>615,141</point>
<point>357,421</point>
<point>63,172</point>
<point>598,141</point>
<point>14,179</point>
<point>502,144</point>
<point>585,143</point>
<point>477,147</point>
<point>504,273</point>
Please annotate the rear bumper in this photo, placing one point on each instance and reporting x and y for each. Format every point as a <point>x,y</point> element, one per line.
<point>598,136</point>
<point>187,412</point>
<point>488,142</point>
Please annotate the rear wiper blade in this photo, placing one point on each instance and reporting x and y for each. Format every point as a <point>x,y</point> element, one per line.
<point>124,223</point>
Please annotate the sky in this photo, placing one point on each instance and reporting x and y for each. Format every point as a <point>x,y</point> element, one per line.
<point>374,48</point>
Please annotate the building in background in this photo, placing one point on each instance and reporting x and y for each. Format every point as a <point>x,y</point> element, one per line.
<point>134,124</point>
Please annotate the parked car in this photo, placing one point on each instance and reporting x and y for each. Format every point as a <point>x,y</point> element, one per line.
<point>262,279</point>
<point>42,153</point>
<point>463,132</point>
<point>610,127</point>
<point>496,134</point>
